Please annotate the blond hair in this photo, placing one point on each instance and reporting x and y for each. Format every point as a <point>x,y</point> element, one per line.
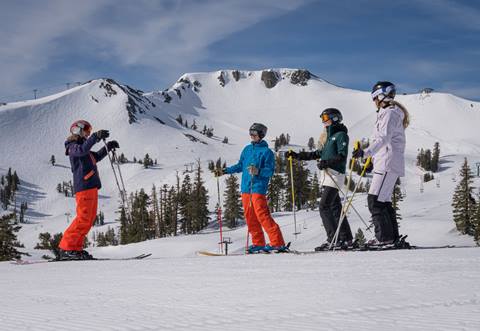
<point>406,115</point>
<point>322,139</point>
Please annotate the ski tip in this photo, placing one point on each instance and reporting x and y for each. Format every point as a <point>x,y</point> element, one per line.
<point>207,253</point>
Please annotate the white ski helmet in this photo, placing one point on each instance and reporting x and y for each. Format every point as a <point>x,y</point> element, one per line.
<point>384,91</point>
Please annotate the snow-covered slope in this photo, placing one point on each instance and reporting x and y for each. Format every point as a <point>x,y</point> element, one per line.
<point>286,100</point>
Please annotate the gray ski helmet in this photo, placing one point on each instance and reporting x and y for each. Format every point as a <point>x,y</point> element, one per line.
<point>331,114</point>
<point>386,89</point>
<point>258,129</point>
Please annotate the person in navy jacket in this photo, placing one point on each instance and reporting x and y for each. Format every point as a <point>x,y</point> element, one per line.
<point>86,183</point>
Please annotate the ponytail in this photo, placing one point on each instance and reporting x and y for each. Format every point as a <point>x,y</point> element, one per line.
<point>406,115</point>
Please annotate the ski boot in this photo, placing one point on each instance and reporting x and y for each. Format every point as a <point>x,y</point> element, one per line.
<point>277,249</point>
<point>323,247</point>
<point>401,243</point>
<point>254,249</point>
<point>64,255</point>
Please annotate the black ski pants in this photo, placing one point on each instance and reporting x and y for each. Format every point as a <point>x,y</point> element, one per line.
<point>384,219</point>
<point>330,210</point>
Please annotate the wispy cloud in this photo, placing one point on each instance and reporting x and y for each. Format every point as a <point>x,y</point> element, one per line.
<point>165,37</point>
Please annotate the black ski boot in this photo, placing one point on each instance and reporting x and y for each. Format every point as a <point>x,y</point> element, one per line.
<point>73,255</point>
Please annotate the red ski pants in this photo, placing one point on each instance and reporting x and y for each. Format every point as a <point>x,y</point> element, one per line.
<point>87,202</point>
<point>258,217</point>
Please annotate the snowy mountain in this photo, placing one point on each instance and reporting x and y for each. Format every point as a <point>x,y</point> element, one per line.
<point>286,100</point>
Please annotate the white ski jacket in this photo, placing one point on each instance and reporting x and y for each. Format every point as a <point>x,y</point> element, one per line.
<point>387,144</point>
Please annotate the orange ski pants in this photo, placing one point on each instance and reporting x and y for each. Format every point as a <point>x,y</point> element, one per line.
<point>258,216</point>
<point>73,237</point>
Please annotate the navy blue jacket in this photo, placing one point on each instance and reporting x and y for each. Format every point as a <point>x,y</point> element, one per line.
<point>84,162</point>
<point>260,156</point>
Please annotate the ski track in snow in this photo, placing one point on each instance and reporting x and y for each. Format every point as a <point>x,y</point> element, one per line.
<point>396,290</point>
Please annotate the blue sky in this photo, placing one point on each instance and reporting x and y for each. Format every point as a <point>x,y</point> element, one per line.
<point>149,44</point>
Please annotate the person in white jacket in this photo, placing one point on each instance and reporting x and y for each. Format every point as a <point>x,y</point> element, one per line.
<point>387,149</point>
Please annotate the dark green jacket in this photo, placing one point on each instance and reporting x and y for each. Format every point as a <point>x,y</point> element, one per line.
<point>335,150</point>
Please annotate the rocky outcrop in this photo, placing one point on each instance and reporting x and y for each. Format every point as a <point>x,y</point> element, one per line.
<point>136,102</point>
<point>300,77</point>
<point>221,78</point>
<point>236,75</point>
<point>270,78</point>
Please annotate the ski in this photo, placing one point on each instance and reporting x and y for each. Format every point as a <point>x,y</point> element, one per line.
<point>28,262</point>
<point>378,249</point>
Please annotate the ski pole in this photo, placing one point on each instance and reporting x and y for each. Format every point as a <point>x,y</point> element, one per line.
<point>345,199</point>
<point>353,207</point>
<point>290,159</point>
<point>349,202</point>
<point>115,175</point>
<point>219,215</point>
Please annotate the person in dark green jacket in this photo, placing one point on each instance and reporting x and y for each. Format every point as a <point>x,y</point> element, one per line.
<point>332,155</point>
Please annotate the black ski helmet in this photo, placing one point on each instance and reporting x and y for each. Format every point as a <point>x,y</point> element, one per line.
<point>258,129</point>
<point>386,89</point>
<point>331,114</point>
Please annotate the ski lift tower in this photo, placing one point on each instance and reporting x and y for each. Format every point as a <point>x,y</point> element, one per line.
<point>478,168</point>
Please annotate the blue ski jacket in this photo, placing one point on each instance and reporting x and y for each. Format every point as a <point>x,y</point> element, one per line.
<point>84,162</point>
<point>260,156</point>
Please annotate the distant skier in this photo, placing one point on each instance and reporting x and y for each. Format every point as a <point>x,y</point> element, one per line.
<point>387,149</point>
<point>86,183</point>
<point>257,164</point>
<point>332,154</point>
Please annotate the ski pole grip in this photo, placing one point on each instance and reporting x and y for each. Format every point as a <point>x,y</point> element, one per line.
<point>356,145</point>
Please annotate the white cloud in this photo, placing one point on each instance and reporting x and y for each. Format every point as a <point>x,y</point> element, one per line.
<point>167,37</point>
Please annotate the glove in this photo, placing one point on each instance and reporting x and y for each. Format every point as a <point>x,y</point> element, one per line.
<point>357,153</point>
<point>112,145</point>
<point>322,164</point>
<point>369,168</point>
<point>292,154</point>
<point>252,170</point>
<point>102,134</point>
<point>218,172</point>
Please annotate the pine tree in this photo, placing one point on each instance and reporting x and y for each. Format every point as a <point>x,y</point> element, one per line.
<point>200,201</point>
<point>397,196</point>
<point>185,205</point>
<point>435,157</point>
<point>311,144</point>
<point>360,237</point>
<point>233,202</point>
<point>276,189</point>
<point>50,243</point>
<point>124,223</point>
<point>179,119</point>
<point>225,140</point>
<point>8,238</point>
<point>463,202</point>
<point>301,185</point>
<point>194,125</point>
<point>476,222</point>
<point>314,192</point>
<point>52,160</point>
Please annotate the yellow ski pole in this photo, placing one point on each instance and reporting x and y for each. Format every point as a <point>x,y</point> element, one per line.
<point>290,159</point>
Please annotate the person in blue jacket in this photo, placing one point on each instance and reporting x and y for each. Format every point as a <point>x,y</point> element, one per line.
<point>257,165</point>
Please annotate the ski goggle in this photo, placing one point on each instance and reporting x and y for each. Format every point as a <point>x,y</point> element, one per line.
<point>254,133</point>
<point>384,90</point>
<point>325,117</point>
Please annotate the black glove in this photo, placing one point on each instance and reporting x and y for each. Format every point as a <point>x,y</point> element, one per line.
<point>112,145</point>
<point>357,153</point>
<point>369,167</point>
<point>322,164</point>
<point>218,172</point>
<point>102,134</point>
<point>292,154</point>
